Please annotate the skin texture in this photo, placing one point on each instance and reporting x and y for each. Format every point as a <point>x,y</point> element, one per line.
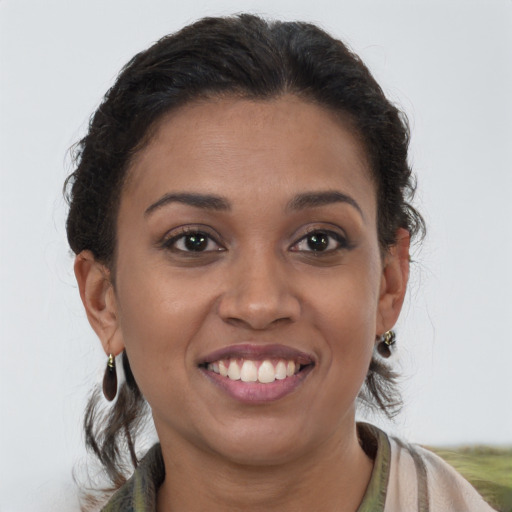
<point>257,282</point>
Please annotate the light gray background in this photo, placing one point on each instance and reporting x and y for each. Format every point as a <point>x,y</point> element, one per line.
<point>447,63</point>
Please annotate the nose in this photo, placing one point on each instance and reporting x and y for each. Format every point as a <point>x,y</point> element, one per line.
<point>259,293</point>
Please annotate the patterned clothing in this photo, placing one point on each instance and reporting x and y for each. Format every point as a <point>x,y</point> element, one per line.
<point>405,478</point>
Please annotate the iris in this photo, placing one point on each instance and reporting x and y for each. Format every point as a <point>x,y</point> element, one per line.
<point>196,242</point>
<point>318,241</point>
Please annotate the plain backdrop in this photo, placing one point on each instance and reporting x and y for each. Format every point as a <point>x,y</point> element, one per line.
<point>447,63</point>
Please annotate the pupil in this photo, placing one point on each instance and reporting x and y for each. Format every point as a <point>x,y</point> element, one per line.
<point>318,242</point>
<point>196,242</point>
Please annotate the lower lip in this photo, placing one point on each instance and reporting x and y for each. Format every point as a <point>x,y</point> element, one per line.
<point>256,392</point>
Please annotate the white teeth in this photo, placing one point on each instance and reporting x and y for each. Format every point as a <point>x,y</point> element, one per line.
<point>249,372</point>
<point>234,370</point>
<point>254,371</point>
<point>223,369</point>
<point>213,367</point>
<point>281,370</point>
<point>266,372</point>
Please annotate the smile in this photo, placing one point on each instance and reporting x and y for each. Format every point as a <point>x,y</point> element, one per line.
<point>248,370</point>
<point>257,374</point>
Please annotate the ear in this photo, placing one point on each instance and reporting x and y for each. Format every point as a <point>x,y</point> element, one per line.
<point>395,274</point>
<point>98,298</point>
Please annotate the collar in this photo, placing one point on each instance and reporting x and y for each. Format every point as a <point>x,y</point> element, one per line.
<point>139,493</point>
<point>376,445</point>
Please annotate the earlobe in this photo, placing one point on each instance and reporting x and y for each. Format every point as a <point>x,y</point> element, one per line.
<point>395,275</point>
<point>98,298</point>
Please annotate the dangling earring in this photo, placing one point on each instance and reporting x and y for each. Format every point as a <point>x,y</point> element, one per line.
<point>387,340</point>
<point>110,379</point>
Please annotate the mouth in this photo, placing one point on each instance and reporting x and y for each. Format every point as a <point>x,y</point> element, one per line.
<point>252,373</point>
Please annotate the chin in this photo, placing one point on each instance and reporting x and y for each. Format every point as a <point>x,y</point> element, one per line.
<point>262,443</point>
<point>259,452</point>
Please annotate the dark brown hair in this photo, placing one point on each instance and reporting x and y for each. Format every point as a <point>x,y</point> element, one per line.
<point>249,57</point>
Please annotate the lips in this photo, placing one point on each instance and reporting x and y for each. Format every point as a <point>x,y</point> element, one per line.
<point>257,373</point>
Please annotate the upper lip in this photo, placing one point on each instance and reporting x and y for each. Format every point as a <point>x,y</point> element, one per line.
<point>258,352</point>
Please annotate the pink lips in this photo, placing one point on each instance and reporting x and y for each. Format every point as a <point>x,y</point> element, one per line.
<point>256,392</point>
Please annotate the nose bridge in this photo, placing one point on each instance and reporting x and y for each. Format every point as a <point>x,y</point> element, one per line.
<point>259,294</point>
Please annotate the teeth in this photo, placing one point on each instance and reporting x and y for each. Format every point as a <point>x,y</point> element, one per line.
<point>249,372</point>
<point>266,372</point>
<point>263,372</point>
<point>281,370</point>
<point>223,369</point>
<point>234,370</point>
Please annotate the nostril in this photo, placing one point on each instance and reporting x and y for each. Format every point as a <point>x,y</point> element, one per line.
<point>257,324</point>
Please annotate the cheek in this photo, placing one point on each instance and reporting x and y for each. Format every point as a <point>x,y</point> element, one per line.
<point>344,313</point>
<point>158,316</point>
<point>346,303</point>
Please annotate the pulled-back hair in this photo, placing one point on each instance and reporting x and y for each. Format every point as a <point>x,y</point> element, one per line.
<point>243,56</point>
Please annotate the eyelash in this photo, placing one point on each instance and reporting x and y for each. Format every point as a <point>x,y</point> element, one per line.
<point>172,242</point>
<point>340,241</point>
<point>323,235</point>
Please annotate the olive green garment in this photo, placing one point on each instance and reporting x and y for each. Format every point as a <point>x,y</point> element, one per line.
<point>139,493</point>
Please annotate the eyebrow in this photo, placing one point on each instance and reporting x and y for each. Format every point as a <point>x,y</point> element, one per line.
<point>217,203</point>
<point>322,198</point>
<point>204,201</point>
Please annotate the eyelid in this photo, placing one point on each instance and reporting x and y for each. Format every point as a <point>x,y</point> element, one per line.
<point>340,238</point>
<point>170,238</point>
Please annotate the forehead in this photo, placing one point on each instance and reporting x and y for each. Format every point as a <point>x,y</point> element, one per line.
<point>246,147</point>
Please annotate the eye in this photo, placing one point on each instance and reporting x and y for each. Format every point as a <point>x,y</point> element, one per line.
<point>192,241</point>
<point>320,241</point>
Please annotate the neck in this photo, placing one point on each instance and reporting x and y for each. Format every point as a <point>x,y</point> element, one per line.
<point>332,477</point>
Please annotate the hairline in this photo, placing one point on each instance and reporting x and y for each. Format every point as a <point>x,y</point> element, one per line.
<point>341,117</point>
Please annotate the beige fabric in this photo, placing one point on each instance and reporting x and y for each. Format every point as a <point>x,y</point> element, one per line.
<point>405,478</point>
<point>420,480</point>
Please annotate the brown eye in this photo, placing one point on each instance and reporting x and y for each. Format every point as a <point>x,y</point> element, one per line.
<point>320,241</point>
<point>192,241</point>
<point>195,242</point>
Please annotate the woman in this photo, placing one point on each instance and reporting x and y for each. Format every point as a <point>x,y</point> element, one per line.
<point>241,221</point>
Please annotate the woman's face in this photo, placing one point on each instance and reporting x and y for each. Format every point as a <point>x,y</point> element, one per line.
<point>247,245</point>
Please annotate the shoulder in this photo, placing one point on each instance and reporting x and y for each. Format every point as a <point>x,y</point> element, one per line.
<point>419,478</point>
